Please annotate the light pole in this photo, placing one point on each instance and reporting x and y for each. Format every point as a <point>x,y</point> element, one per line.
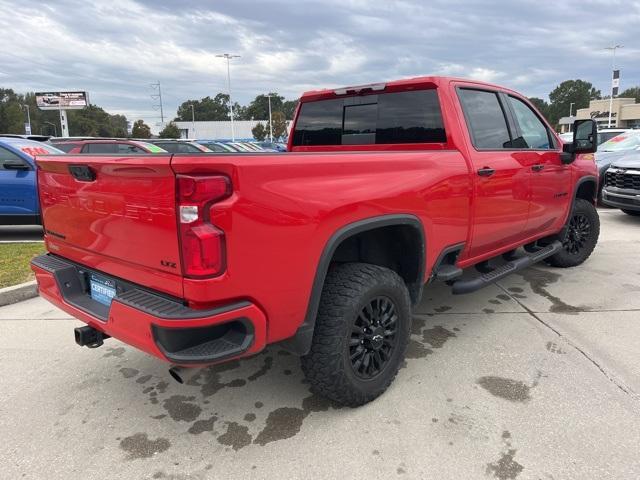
<point>27,130</point>
<point>228,56</point>
<point>193,121</point>
<point>613,67</point>
<point>55,130</point>
<point>270,124</point>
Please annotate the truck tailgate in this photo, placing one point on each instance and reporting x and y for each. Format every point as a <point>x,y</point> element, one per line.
<point>115,214</point>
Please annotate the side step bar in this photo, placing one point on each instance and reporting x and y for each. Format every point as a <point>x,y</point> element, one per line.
<point>467,286</point>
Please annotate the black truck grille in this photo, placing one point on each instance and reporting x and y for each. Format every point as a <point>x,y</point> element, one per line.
<point>622,180</point>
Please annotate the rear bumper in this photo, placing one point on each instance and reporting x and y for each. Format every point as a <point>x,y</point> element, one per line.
<point>625,199</point>
<point>159,325</point>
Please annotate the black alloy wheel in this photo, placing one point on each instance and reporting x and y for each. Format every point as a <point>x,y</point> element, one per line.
<point>373,337</point>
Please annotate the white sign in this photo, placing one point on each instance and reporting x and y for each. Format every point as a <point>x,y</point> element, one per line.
<point>61,100</point>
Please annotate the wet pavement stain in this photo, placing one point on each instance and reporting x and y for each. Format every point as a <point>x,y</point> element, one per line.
<point>285,422</point>
<point>143,379</point>
<point>259,404</point>
<point>202,426</point>
<point>417,325</point>
<point>495,302</point>
<point>129,372</point>
<point>505,468</point>
<point>181,408</point>
<point>140,446</point>
<point>437,336</point>
<point>554,348</point>
<point>249,417</point>
<point>512,390</point>
<point>443,308</point>
<point>208,379</point>
<point>266,366</point>
<point>237,436</point>
<point>417,350</point>
<point>503,296</point>
<point>539,280</point>
<point>488,310</point>
<point>515,289</point>
<point>114,352</point>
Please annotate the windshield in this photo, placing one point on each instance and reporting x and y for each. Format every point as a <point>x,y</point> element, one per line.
<point>624,141</point>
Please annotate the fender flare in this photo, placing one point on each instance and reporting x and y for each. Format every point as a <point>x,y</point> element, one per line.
<point>300,343</point>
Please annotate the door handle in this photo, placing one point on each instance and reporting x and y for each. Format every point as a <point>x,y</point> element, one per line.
<point>537,168</point>
<point>486,172</point>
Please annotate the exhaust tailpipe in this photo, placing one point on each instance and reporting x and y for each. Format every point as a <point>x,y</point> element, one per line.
<point>182,374</point>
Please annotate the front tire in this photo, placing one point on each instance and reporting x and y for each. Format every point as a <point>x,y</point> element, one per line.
<point>581,237</point>
<point>360,335</point>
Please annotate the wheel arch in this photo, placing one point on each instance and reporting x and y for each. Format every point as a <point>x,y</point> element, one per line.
<point>301,341</point>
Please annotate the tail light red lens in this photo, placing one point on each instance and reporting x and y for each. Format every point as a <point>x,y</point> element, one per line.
<point>202,243</point>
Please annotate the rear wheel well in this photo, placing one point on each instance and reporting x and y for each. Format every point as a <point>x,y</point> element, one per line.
<point>397,247</point>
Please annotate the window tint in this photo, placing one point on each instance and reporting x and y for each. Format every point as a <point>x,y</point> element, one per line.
<point>388,118</point>
<point>65,146</point>
<point>99,148</point>
<point>127,148</point>
<point>534,132</point>
<point>7,156</point>
<point>485,119</point>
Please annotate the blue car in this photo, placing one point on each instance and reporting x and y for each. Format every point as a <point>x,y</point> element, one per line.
<point>19,203</point>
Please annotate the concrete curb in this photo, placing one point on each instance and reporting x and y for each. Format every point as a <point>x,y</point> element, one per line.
<point>18,293</point>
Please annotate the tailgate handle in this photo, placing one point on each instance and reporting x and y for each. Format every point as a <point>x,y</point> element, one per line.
<point>83,173</point>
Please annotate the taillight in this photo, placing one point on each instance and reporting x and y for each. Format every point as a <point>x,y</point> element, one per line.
<point>202,243</point>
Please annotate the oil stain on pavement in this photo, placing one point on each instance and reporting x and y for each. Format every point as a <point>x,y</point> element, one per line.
<point>505,468</point>
<point>512,390</point>
<point>140,446</point>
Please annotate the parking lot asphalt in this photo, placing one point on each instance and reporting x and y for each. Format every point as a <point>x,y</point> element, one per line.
<point>533,378</point>
<point>20,233</point>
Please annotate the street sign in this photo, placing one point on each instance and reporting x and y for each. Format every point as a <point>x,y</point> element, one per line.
<point>61,100</point>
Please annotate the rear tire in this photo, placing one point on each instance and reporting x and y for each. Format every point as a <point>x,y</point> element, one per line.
<point>360,335</point>
<point>633,213</point>
<point>583,230</point>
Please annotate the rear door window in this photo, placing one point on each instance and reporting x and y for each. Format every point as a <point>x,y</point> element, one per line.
<point>388,118</point>
<point>127,148</point>
<point>99,148</point>
<point>485,119</point>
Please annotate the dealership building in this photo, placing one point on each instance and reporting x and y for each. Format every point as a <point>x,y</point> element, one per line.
<point>220,130</point>
<point>625,113</point>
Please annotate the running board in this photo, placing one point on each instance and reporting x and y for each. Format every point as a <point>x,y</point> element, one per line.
<point>467,286</point>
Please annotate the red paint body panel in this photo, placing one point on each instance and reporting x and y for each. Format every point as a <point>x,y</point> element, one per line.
<point>284,209</point>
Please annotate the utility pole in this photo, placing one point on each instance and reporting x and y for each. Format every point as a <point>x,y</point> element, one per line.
<point>228,56</point>
<point>193,120</point>
<point>27,127</point>
<point>158,96</point>
<point>270,124</point>
<point>614,79</point>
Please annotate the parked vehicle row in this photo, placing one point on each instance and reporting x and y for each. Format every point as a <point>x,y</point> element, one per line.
<point>323,249</point>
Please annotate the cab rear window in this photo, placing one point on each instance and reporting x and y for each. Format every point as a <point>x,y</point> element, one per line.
<point>388,118</point>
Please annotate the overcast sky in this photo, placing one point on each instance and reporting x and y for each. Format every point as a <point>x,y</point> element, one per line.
<point>115,49</point>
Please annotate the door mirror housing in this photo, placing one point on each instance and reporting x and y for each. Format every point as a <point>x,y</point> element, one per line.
<point>585,140</point>
<point>15,165</point>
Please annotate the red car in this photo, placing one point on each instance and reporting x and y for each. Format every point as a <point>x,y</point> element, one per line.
<point>203,258</point>
<point>107,146</point>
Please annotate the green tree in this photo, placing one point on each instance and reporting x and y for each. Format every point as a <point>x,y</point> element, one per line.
<point>209,109</point>
<point>171,130</point>
<point>259,132</point>
<point>140,130</point>
<point>541,105</point>
<point>258,109</point>
<point>12,116</point>
<point>289,108</point>
<point>279,125</point>
<point>633,92</point>
<point>578,92</point>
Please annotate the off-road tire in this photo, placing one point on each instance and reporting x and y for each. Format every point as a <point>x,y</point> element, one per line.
<point>347,290</point>
<point>581,236</point>
<point>633,213</point>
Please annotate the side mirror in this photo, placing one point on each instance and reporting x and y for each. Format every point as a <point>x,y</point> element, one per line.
<point>585,140</point>
<point>15,165</point>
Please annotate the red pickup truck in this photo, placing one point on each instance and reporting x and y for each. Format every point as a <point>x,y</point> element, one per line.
<point>203,258</point>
